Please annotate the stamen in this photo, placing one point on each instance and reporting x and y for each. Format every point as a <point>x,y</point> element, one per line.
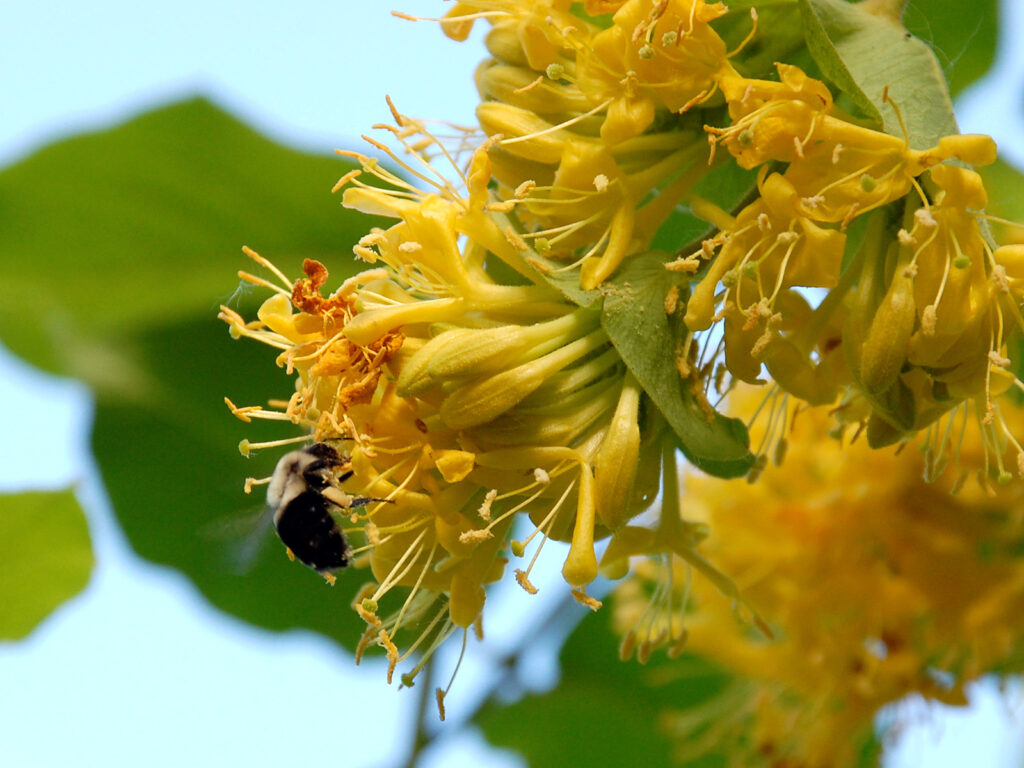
<point>411,554</point>
<point>252,481</point>
<point>245,447</point>
<point>565,124</point>
<point>266,264</point>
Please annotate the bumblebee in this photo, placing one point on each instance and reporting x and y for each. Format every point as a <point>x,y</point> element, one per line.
<point>304,490</point>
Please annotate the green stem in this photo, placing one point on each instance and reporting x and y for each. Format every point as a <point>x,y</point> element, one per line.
<point>421,738</point>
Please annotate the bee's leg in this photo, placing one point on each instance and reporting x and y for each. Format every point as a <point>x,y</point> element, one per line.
<point>291,555</point>
<point>362,501</point>
<point>329,577</point>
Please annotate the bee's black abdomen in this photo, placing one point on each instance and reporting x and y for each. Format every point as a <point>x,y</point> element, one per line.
<point>306,527</point>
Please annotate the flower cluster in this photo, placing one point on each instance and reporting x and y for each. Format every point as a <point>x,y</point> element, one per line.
<point>590,150</point>
<point>601,131</point>
<point>922,309</point>
<point>877,585</point>
<point>460,401</point>
<point>469,376</point>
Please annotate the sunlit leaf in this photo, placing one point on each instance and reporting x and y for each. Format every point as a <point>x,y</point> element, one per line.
<point>864,54</point>
<point>636,321</point>
<point>963,36</point>
<point>45,557</point>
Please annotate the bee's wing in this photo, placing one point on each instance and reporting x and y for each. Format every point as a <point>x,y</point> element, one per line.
<point>238,540</point>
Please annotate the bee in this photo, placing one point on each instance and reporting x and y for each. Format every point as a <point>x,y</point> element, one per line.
<point>304,489</point>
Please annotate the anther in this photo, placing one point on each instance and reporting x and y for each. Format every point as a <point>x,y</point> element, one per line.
<point>925,218</point>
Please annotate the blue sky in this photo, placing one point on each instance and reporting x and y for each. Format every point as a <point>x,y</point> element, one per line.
<point>139,668</point>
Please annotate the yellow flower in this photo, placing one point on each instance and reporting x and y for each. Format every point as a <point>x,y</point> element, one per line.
<point>876,584</point>
<point>839,169</point>
<point>769,248</point>
<point>930,320</point>
<point>586,148</point>
<point>662,55</point>
<point>461,402</point>
<point>926,311</point>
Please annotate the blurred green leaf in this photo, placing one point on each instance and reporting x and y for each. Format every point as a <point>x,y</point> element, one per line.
<point>1005,186</point>
<point>863,54</point>
<point>173,472</point>
<point>604,712</point>
<point>962,35</point>
<point>118,248</point>
<point>635,318</point>
<point>108,234</point>
<point>45,557</point>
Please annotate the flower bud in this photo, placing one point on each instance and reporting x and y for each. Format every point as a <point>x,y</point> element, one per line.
<point>885,348</point>
<point>415,376</point>
<point>512,85</point>
<point>580,566</point>
<point>477,351</point>
<point>485,399</point>
<point>504,45</point>
<point>535,139</point>
<point>616,463</point>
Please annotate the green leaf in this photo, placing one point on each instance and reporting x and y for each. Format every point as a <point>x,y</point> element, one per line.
<point>604,712</point>
<point>118,248</point>
<point>726,185</point>
<point>1005,186</point>
<point>634,317</point>
<point>963,36</point>
<point>108,234</point>
<point>778,35</point>
<point>45,557</point>
<point>171,467</point>
<point>863,53</point>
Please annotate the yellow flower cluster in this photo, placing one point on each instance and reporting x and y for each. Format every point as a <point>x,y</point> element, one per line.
<point>460,401</point>
<point>468,385</point>
<point>587,149</point>
<point>924,308</point>
<point>876,584</point>
<point>597,139</point>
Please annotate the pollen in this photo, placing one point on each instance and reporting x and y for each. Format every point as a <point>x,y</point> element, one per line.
<point>470,537</point>
<point>524,581</point>
<point>586,600</point>
<point>485,507</point>
<point>524,189</point>
<point>515,239</point>
<point>925,218</point>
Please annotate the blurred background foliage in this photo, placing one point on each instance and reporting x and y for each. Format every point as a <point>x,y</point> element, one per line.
<point>116,248</point>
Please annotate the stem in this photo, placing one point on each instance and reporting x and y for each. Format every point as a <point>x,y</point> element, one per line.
<point>421,738</point>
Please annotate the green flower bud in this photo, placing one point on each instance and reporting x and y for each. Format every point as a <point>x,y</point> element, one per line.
<point>616,463</point>
<point>885,348</point>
